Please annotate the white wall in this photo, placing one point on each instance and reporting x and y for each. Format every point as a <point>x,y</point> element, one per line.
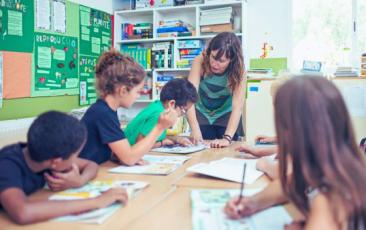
<point>269,21</point>
<point>103,5</point>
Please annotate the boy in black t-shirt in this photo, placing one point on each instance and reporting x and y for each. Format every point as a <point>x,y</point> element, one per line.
<point>50,156</point>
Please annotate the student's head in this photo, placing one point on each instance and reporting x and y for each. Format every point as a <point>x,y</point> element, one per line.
<point>224,54</point>
<point>317,147</point>
<point>56,138</point>
<point>180,94</point>
<point>120,76</point>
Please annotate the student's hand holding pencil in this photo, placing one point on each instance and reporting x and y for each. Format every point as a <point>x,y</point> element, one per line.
<point>111,196</point>
<point>237,207</point>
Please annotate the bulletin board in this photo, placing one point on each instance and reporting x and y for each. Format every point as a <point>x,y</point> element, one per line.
<point>55,64</point>
<point>95,38</point>
<point>88,94</point>
<point>16,25</point>
<point>95,31</point>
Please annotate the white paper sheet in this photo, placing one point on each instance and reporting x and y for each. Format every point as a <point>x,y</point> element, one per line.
<point>43,14</point>
<point>179,149</point>
<point>59,16</point>
<point>166,159</point>
<point>229,169</point>
<point>207,212</point>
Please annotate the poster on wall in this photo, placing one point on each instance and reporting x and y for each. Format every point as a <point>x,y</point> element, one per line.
<point>95,31</point>
<point>16,25</point>
<point>1,80</point>
<point>55,65</point>
<point>51,15</point>
<point>88,94</point>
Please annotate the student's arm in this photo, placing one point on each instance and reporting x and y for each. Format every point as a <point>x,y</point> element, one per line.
<point>321,214</point>
<point>270,196</point>
<point>195,78</point>
<point>81,172</point>
<point>24,211</point>
<point>234,119</point>
<point>183,141</point>
<point>257,151</point>
<point>269,166</point>
<point>128,154</point>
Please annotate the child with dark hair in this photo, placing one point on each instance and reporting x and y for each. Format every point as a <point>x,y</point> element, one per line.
<point>119,80</point>
<point>178,94</point>
<point>321,168</point>
<point>50,156</point>
<point>218,75</point>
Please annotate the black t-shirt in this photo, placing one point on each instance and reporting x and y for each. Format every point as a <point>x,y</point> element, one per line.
<point>103,128</point>
<point>15,173</point>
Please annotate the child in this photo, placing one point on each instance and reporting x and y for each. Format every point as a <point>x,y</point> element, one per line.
<point>119,79</point>
<point>363,145</point>
<point>179,94</point>
<point>322,170</point>
<point>51,155</point>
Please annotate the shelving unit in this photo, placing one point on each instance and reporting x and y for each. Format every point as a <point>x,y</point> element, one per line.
<point>187,13</point>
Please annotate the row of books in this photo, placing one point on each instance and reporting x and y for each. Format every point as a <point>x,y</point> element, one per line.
<point>140,54</point>
<point>188,50</point>
<point>363,65</point>
<point>136,31</point>
<point>346,71</point>
<point>174,28</point>
<point>217,20</point>
<point>160,55</point>
<point>260,73</point>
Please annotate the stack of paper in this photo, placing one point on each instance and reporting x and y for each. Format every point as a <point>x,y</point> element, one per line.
<point>94,189</point>
<point>179,149</point>
<point>166,159</point>
<point>207,212</point>
<point>229,169</point>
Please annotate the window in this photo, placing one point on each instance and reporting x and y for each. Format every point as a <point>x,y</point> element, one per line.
<point>324,31</point>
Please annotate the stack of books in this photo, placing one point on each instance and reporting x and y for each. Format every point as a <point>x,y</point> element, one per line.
<point>188,50</point>
<point>137,31</point>
<point>260,73</point>
<point>146,92</point>
<point>363,65</point>
<point>174,28</point>
<point>217,20</point>
<point>346,71</point>
<point>162,55</point>
<point>140,54</point>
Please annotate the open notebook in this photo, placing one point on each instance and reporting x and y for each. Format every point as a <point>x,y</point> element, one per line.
<point>158,165</point>
<point>207,212</point>
<point>178,149</point>
<point>229,169</point>
<point>93,189</point>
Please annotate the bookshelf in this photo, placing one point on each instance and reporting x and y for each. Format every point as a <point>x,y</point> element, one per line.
<point>190,15</point>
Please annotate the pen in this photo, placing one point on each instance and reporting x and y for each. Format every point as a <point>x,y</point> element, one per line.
<point>242,184</point>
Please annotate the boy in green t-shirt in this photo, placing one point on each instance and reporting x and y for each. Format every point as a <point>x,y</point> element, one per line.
<point>178,94</point>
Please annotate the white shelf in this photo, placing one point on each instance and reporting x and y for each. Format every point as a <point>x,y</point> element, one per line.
<point>173,70</point>
<point>151,40</point>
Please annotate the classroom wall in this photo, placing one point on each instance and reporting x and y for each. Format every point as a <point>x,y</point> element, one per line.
<point>269,21</point>
<point>30,107</point>
<point>103,5</point>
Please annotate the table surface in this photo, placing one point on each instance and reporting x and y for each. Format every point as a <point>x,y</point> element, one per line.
<point>164,204</point>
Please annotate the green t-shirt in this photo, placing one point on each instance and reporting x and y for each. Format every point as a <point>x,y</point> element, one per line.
<point>144,122</point>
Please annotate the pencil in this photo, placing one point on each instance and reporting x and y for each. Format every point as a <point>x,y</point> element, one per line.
<point>242,183</point>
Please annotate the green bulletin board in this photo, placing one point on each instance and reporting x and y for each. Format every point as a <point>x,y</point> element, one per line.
<point>16,25</point>
<point>95,38</point>
<point>87,80</point>
<point>95,31</point>
<point>55,65</point>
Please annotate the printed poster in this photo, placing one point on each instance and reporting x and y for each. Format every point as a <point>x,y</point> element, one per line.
<point>51,15</point>
<point>16,25</point>
<point>88,94</point>
<point>55,64</point>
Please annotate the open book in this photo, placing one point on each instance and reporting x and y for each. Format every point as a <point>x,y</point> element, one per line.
<point>178,149</point>
<point>229,169</point>
<point>207,212</point>
<point>93,189</point>
<point>158,165</point>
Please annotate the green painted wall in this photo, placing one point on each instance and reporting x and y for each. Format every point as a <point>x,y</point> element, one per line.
<point>31,107</point>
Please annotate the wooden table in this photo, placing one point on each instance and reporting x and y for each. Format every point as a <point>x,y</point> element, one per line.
<point>165,204</point>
